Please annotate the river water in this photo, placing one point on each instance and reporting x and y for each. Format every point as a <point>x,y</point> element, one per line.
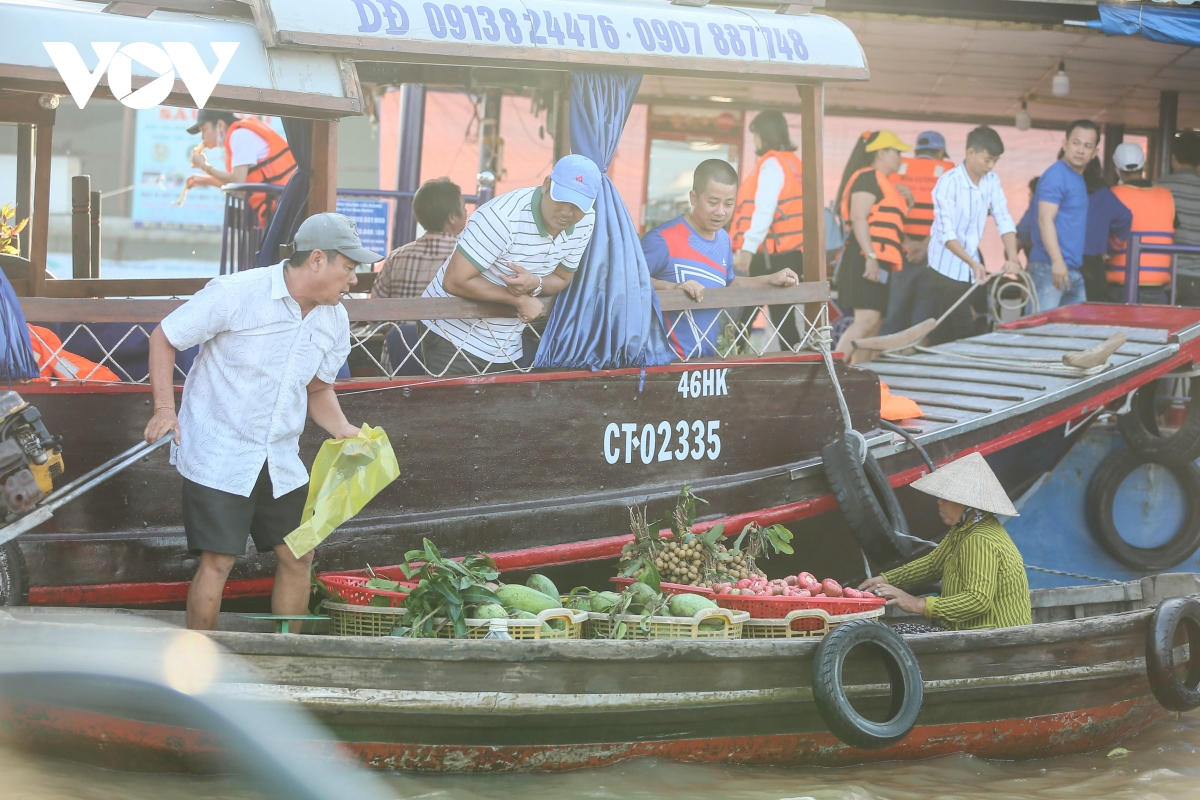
<point>1162,763</point>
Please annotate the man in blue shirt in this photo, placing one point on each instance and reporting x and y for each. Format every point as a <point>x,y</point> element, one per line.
<point>693,253</point>
<point>1062,203</point>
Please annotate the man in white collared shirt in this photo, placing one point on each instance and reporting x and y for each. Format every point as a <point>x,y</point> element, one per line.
<point>963,199</point>
<point>271,343</point>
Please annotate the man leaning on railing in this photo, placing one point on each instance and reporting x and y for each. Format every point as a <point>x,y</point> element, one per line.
<point>693,253</point>
<point>516,248</point>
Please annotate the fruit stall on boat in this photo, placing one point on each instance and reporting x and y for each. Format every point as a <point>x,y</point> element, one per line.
<point>1075,680</point>
<point>758,433</point>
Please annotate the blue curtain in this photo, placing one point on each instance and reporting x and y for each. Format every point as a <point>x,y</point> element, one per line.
<point>608,317</point>
<point>19,362</point>
<point>1160,24</point>
<point>289,212</point>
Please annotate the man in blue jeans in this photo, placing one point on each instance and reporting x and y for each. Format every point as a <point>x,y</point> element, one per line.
<point>1062,209</point>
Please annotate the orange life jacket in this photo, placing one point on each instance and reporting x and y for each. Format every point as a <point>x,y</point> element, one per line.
<point>920,175</point>
<point>895,407</point>
<point>1153,209</point>
<point>54,362</point>
<point>885,221</point>
<point>786,233</point>
<point>275,169</point>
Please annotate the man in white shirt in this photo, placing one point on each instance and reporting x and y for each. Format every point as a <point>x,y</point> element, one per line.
<point>516,248</point>
<point>963,199</point>
<point>271,343</point>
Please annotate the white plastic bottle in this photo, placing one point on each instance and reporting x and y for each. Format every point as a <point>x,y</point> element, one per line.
<point>497,629</point>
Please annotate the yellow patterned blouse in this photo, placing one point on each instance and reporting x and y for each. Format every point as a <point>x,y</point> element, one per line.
<point>982,574</point>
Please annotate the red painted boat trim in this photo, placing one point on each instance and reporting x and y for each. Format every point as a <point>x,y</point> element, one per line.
<point>130,744</point>
<point>608,547</point>
<point>1172,318</point>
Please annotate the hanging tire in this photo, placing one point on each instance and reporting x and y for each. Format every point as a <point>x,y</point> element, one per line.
<point>1139,428</point>
<point>1174,693</point>
<point>867,502</point>
<point>829,693</point>
<point>14,576</point>
<point>1101,498</point>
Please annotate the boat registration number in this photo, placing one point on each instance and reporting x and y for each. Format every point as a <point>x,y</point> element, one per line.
<point>665,441</point>
<point>704,383</point>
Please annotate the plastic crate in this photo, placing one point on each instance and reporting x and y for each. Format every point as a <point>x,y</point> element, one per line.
<point>524,629</point>
<point>801,623</point>
<point>777,606</point>
<point>353,620</point>
<point>352,590</point>
<point>668,588</point>
<point>600,625</point>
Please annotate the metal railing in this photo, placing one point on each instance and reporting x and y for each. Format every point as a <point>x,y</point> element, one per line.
<point>1138,248</point>
<point>243,228</point>
<point>388,338</point>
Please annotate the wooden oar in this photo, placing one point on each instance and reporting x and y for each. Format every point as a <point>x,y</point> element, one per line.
<point>1097,354</point>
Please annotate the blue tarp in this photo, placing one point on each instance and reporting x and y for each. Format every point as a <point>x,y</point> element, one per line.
<point>608,316</point>
<point>1168,24</point>
<point>19,362</point>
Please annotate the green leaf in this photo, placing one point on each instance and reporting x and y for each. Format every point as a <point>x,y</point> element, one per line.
<point>650,577</point>
<point>713,534</point>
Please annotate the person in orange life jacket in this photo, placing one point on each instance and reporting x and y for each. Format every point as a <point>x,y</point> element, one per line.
<point>693,253</point>
<point>875,209</point>
<point>918,175</point>
<point>254,153</point>
<point>767,225</point>
<point>1153,210</point>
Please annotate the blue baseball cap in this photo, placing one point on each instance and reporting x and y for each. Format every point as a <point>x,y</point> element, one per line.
<point>931,140</point>
<point>575,179</point>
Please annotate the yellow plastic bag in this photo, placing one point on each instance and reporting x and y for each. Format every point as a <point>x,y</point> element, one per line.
<point>346,474</point>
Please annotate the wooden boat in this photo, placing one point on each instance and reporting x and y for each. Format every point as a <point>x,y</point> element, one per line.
<point>539,468</point>
<point>1072,682</point>
<point>553,487</point>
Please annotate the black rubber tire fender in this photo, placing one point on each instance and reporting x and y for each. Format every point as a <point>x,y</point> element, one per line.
<point>14,576</point>
<point>1102,495</point>
<point>868,503</point>
<point>829,692</point>
<point>1139,429</point>
<point>1173,693</point>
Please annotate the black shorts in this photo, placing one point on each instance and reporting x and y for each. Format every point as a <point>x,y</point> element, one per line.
<point>219,522</point>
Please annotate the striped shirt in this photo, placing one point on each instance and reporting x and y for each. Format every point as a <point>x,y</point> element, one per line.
<point>410,268</point>
<point>1185,188</point>
<point>960,212</point>
<point>508,228</point>
<point>982,574</point>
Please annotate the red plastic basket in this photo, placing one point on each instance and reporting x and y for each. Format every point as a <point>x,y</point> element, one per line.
<point>353,591</point>
<point>777,607</point>
<point>668,588</point>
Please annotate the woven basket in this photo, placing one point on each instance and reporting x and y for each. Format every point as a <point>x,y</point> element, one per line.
<point>600,626</point>
<point>523,629</point>
<point>350,620</point>
<point>801,623</point>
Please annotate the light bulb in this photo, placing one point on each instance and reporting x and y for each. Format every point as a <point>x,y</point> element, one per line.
<point>1023,121</point>
<point>1061,84</point>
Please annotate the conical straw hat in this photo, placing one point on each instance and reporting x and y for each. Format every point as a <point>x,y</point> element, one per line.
<point>969,481</point>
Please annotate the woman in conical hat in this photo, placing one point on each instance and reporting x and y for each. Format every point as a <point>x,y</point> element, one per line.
<point>981,570</point>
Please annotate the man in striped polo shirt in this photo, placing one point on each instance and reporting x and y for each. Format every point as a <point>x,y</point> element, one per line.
<point>516,248</point>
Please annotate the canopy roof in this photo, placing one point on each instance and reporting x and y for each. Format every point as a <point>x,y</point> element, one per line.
<point>647,36</point>
<point>257,79</point>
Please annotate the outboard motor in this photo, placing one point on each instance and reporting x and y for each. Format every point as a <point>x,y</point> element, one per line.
<point>30,458</point>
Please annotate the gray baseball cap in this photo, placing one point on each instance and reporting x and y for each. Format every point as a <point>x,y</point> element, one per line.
<point>333,232</point>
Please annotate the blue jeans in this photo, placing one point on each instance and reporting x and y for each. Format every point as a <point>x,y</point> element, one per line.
<point>1050,297</point>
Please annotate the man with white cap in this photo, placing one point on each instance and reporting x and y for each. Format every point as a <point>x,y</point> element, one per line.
<point>516,249</point>
<point>1153,209</point>
<point>982,572</point>
<point>271,343</point>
